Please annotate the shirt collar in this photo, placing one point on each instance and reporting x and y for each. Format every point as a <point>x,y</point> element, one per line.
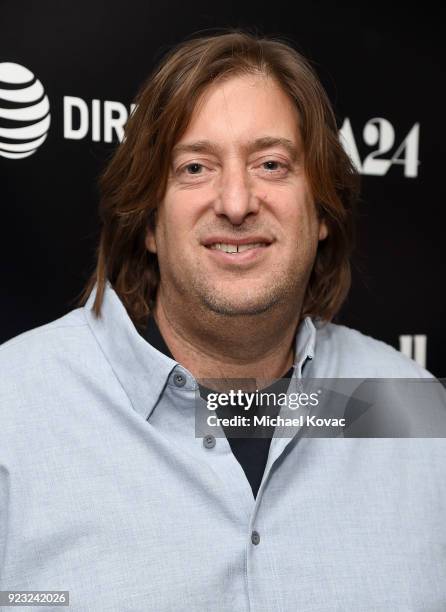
<point>305,344</point>
<point>143,371</point>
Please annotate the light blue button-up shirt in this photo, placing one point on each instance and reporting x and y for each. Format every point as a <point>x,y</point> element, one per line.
<point>106,492</point>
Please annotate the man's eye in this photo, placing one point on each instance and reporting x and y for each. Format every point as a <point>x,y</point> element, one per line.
<point>273,165</point>
<point>193,168</point>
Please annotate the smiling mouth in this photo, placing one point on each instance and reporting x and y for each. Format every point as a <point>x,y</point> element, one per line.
<point>236,248</point>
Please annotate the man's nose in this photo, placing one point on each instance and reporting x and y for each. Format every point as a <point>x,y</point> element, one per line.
<point>236,199</point>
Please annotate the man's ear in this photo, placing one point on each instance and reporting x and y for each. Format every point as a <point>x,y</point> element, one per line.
<point>150,236</point>
<point>150,240</point>
<point>323,230</point>
<point>323,227</point>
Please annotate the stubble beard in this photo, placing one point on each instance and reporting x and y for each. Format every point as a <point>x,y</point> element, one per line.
<point>249,301</point>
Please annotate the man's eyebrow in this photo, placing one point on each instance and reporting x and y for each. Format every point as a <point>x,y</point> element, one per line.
<point>265,142</point>
<point>271,141</point>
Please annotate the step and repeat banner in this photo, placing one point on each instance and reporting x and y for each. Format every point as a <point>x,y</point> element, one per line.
<point>69,74</point>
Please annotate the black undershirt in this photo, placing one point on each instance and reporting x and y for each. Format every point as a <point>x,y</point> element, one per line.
<point>251,453</point>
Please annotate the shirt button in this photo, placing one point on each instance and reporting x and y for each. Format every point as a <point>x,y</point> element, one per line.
<point>208,441</point>
<point>179,380</point>
<point>255,537</point>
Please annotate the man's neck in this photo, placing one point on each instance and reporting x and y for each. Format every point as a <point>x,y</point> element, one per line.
<point>217,346</point>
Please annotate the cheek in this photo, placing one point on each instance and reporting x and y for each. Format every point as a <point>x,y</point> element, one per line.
<point>301,231</point>
<point>300,219</point>
<point>174,231</point>
<point>181,213</point>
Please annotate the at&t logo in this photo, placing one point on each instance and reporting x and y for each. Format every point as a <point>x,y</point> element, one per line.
<point>24,111</point>
<point>25,120</point>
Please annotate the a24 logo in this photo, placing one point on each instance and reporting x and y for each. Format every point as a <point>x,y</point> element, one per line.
<point>380,133</point>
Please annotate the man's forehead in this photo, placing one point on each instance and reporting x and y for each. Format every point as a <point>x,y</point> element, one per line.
<point>292,146</point>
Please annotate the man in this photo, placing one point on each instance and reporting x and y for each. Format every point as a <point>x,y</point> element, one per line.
<point>224,254</point>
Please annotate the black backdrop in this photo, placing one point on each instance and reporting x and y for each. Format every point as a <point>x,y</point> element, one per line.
<point>382,68</point>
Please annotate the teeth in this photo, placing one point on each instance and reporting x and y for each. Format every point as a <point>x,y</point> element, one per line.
<point>227,248</point>
<point>234,248</point>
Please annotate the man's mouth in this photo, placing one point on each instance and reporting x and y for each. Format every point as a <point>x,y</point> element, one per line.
<point>236,248</point>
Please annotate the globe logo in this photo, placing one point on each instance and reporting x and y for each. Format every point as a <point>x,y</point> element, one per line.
<point>24,111</point>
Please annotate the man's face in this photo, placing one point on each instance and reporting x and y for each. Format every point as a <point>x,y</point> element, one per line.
<point>237,230</point>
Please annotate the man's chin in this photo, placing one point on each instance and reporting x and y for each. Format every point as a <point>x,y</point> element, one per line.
<point>225,306</point>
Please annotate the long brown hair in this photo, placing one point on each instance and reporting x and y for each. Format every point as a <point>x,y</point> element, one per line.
<point>135,179</point>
